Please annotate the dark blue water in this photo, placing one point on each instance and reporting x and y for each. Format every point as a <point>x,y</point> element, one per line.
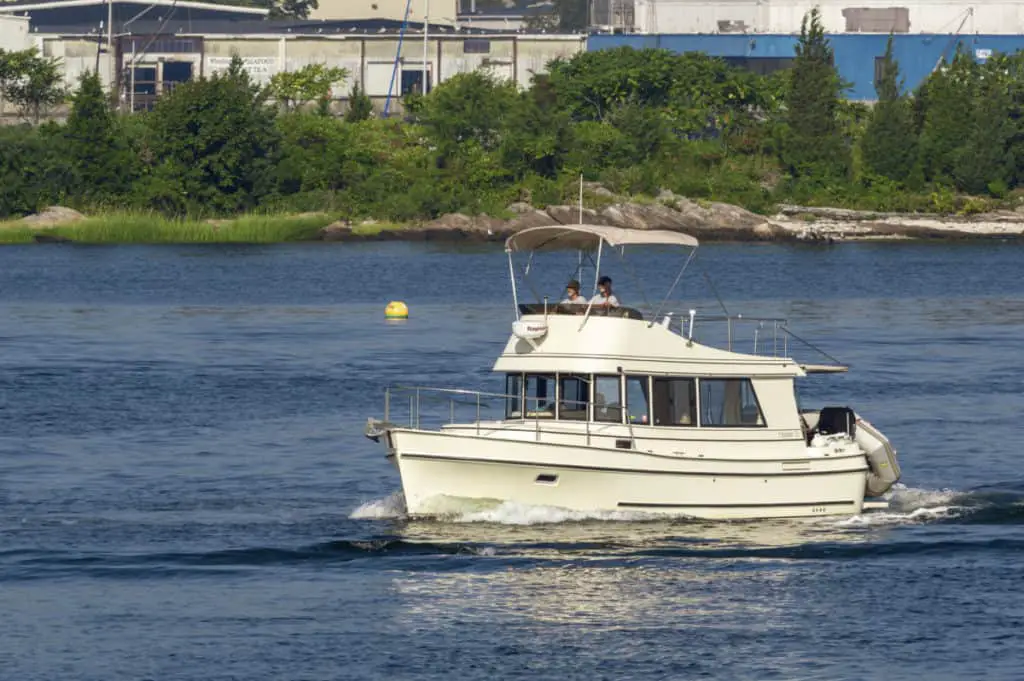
<point>185,491</point>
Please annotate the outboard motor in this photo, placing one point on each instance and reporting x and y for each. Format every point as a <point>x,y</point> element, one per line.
<point>833,420</point>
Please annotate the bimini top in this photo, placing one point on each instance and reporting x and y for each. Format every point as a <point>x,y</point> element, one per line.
<point>586,237</point>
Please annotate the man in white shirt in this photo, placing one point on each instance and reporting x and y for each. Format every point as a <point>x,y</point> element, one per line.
<point>604,296</point>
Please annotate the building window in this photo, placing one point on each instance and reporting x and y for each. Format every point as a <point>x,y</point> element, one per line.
<point>674,402</point>
<point>762,66</point>
<point>140,44</point>
<point>476,46</point>
<point>879,67</point>
<point>729,402</point>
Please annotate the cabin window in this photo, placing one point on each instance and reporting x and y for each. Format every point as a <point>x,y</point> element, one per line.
<point>637,402</point>
<point>674,401</point>
<point>607,404</point>
<point>729,402</point>
<point>540,396</point>
<point>573,397</point>
<point>513,396</point>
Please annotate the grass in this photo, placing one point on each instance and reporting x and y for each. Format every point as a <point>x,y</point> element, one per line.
<point>151,228</point>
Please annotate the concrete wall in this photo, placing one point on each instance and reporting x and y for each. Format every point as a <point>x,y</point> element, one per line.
<point>14,33</point>
<point>1000,17</point>
<point>441,11</point>
<point>14,36</point>
<point>368,59</point>
<point>855,54</point>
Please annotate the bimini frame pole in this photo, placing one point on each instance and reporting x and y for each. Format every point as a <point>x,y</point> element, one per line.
<point>675,283</point>
<point>597,275</point>
<point>512,277</point>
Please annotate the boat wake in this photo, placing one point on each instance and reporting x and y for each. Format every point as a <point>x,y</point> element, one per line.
<point>907,505</point>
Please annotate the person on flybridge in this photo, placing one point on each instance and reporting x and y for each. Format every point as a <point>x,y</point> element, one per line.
<point>604,296</point>
<point>572,294</point>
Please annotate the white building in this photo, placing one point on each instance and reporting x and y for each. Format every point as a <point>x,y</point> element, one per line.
<point>14,34</point>
<point>838,16</point>
<point>440,11</point>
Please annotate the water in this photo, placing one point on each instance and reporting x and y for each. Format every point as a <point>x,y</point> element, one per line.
<point>185,491</point>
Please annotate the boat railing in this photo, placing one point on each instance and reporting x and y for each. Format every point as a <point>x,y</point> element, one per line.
<point>763,336</point>
<point>423,407</point>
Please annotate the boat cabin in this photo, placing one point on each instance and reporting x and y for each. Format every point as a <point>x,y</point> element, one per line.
<point>672,401</point>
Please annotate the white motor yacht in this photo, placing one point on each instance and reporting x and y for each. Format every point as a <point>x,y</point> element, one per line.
<point>606,408</point>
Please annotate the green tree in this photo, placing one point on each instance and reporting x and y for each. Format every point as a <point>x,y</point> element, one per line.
<point>813,146</point>
<point>984,163</point>
<point>33,169</point>
<point>101,162</point>
<point>889,145</point>
<point>469,107</point>
<point>948,116</point>
<point>311,83</point>
<point>214,143</point>
<point>360,106</point>
<point>34,84</point>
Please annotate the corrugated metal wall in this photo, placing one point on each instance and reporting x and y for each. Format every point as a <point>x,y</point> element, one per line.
<point>855,54</point>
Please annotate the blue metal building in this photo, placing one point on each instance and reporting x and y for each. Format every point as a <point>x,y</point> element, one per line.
<point>857,55</point>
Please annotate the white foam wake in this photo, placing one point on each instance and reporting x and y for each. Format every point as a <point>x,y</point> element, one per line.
<point>512,513</point>
<point>906,505</point>
<point>910,505</point>
<point>391,506</point>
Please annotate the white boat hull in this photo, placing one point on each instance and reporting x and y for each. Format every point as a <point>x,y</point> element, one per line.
<point>438,467</point>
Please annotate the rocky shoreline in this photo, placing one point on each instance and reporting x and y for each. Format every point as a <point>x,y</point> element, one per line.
<point>708,221</point>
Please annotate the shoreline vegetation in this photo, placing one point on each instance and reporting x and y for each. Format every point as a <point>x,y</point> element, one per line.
<point>662,140</point>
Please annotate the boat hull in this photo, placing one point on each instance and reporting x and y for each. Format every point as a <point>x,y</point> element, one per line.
<point>437,468</point>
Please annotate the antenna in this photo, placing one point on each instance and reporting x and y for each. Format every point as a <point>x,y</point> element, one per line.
<point>581,198</point>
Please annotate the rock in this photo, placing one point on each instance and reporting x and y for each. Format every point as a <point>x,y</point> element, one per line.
<point>645,216</point>
<point>764,232</point>
<point>570,215</point>
<point>336,231</point>
<point>52,216</point>
<point>464,226</point>
<point>598,189</point>
<point>44,238</point>
<point>530,218</point>
<point>667,196</point>
<point>520,207</point>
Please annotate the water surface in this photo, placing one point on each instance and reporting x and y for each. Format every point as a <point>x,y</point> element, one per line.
<point>185,491</point>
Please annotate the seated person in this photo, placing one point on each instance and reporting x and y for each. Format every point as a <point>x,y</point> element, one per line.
<point>572,294</point>
<point>605,298</point>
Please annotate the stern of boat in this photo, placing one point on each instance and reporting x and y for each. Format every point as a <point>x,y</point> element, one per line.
<point>883,463</point>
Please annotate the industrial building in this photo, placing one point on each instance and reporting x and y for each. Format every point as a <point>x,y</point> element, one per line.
<point>156,44</point>
<point>14,33</point>
<point>1000,17</point>
<point>857,56</point>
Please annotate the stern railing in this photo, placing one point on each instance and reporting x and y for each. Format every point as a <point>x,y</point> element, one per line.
<point>423,407</point>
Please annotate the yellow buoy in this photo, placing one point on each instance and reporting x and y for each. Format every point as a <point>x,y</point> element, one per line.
<point>396,309</point>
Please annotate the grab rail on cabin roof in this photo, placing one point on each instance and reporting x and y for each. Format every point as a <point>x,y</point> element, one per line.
<point>769,333</point>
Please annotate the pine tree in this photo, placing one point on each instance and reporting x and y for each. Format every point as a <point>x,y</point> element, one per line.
<point>948,116</point>
<point>984,163</point>
<point>889,145</point>
<point>101,162</point>
<point>813,146</point>
<point>360,106</point>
